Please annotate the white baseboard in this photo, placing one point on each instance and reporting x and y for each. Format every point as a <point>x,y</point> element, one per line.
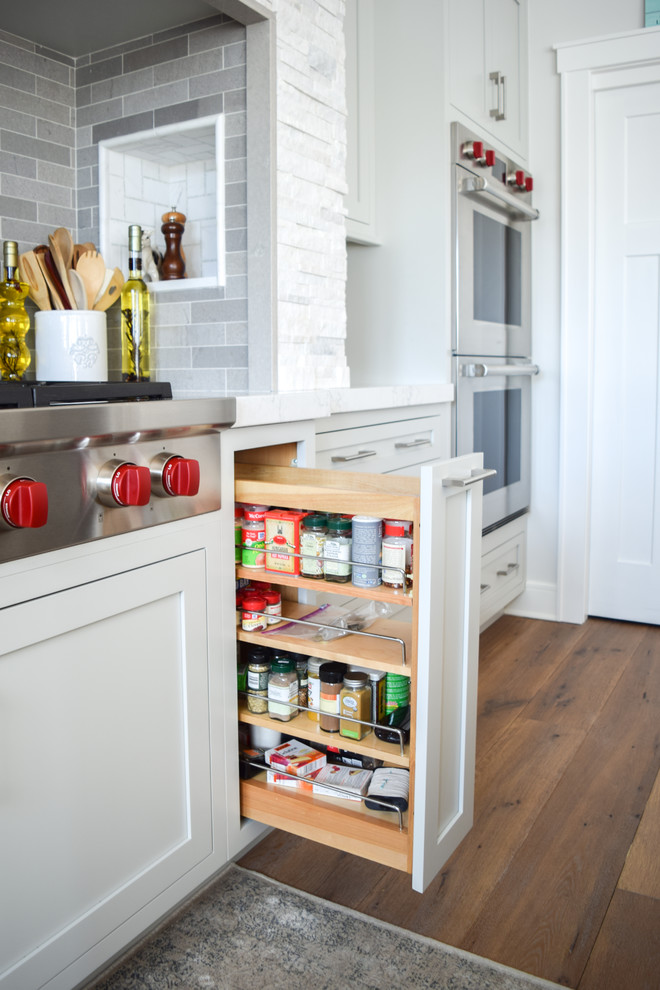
<point>538,601</point>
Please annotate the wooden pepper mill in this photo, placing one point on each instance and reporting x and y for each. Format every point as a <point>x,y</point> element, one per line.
<point>173,264</point>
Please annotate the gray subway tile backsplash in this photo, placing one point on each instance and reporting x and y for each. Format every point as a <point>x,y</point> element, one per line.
<point>53,112</point>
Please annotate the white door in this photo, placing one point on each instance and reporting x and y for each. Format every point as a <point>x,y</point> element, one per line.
<point>447,660</point>
<point>624,568</point>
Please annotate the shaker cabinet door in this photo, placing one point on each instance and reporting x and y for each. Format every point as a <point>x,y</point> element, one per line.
<point>447,659</point>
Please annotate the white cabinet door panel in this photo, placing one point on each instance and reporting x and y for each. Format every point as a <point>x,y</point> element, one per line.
<point>449,546</point>
<point>105,778</point>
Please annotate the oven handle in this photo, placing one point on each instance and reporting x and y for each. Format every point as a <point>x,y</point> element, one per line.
<point>479,184</point>
<point>482,370</point>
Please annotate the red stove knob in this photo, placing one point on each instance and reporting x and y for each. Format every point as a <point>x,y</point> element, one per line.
<point>473,149</point>
<point>121,483</point>
<point>529,183</point>
<point>490,157</point>
<point>181,476</point>
<point>174,475</point>
<point>24,503</point>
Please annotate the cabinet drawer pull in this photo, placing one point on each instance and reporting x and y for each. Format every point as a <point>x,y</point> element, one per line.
<point>353,457</point>
<point>422,442</point>
<point>509,569</point>
<point>476,475</point>
<point>499,112</point>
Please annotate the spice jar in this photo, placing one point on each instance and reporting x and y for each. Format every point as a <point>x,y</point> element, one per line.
<point>273,606</point>
<point>257,680</point>
<point>282,688</point>
<point>332,678</point>
<point>251,621</point>
<point>300,662</point>
<point>313,532</point>
<point>395,553</point>
<point>314,687</point>
<point>367,539</point>
<point>397,692</point>
<point>337,566</point>
<point>355,703</point>
<point>377,681</point>
<point>253,539</point>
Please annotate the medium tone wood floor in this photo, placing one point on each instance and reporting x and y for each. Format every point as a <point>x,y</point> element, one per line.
<point>560,875</point>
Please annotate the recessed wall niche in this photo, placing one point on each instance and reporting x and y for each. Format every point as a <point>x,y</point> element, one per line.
<point>143,175</point>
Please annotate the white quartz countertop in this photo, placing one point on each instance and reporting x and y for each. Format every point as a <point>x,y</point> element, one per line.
<point>289,407</point>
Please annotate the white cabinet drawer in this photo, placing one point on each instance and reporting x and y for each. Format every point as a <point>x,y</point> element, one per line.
<point>384,448</point>
<point>502,570</point>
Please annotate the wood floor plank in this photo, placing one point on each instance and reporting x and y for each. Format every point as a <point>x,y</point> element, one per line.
<point>514,781</point>
<point>641,874</point>
<point>627,953</point>
<point>513,667</point>
<point>545,915</point>
<point>581,684</point>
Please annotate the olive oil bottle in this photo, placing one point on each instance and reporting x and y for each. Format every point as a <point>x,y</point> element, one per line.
<point>135,343</point>
<point>14,321</point>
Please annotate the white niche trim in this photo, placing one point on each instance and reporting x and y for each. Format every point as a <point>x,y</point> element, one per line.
<point>143,175</point>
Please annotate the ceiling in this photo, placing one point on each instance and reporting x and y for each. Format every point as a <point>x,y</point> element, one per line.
<point>78,27</point>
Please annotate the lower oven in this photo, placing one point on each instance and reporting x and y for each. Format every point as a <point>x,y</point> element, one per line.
<point>110,583</point>
<point>492,413</point>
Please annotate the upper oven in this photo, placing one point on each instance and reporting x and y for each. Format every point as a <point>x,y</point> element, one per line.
<point>491,212</point>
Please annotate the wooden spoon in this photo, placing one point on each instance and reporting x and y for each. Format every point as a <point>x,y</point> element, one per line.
<point>79,249</point>
<point>112,291</point>
<point>62,261</point>
<point>78,289</point>
<point>55,297</point>
<point>31,272</point>
<point>91,269</point>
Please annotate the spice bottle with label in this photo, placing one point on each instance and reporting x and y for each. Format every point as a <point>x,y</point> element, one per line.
<point>314,665</point>
<point>300,663</point>
<point>252,620</point>
<point>337,566</point>
<point>313,533</point>
<point>257,680</point>
<point>377,681</point>
<point>273,608</point>
<point>332,679</point>
<point>282,688</point>
<point>355,703</point>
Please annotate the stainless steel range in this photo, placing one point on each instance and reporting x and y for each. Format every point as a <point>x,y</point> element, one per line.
<point>111,597</point>
<point>78,462</point>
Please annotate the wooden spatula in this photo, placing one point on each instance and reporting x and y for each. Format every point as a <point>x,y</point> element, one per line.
<point>62,253</point>
<point>91,269</point>
<point>112,291</point>
<point>31,273</point>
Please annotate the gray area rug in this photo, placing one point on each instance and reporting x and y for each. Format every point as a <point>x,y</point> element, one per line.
<point>247,932</point>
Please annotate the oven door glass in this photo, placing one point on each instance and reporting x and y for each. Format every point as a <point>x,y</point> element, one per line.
<point>493,416</point>
<point>492,277</point>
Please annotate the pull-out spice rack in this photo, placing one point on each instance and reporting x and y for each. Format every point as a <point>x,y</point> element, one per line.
<point>388,645</point>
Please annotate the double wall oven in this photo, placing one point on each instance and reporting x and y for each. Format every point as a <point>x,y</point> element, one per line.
<point>491,309</point>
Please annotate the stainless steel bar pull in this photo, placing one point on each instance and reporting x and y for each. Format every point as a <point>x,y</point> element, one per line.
<point>481,370</point>
<point>499,111</point>
<point>422,442</point>
<point>354,457</point>
<point>471,479</point>
<point>480,184</point>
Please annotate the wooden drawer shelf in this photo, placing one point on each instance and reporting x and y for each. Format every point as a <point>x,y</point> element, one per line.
<point>339,823</point>
<point>378,594</point>
<point>361,651</point>
<point>303,727</point>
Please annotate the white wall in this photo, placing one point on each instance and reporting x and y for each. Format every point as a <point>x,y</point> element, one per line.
<point>551,24</point>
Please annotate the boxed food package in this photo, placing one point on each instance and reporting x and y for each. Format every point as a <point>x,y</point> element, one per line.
<point>282,780</point>
<point>353,781</point>
<point>295,757</point>
<point>282,540</point>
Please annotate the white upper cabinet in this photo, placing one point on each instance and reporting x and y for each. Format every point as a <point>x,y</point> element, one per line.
<point>488,51</point>
<point>360,99</point>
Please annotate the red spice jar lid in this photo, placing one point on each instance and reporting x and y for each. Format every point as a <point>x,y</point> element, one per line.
<point>271,597</point>
<point>254,603</point>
